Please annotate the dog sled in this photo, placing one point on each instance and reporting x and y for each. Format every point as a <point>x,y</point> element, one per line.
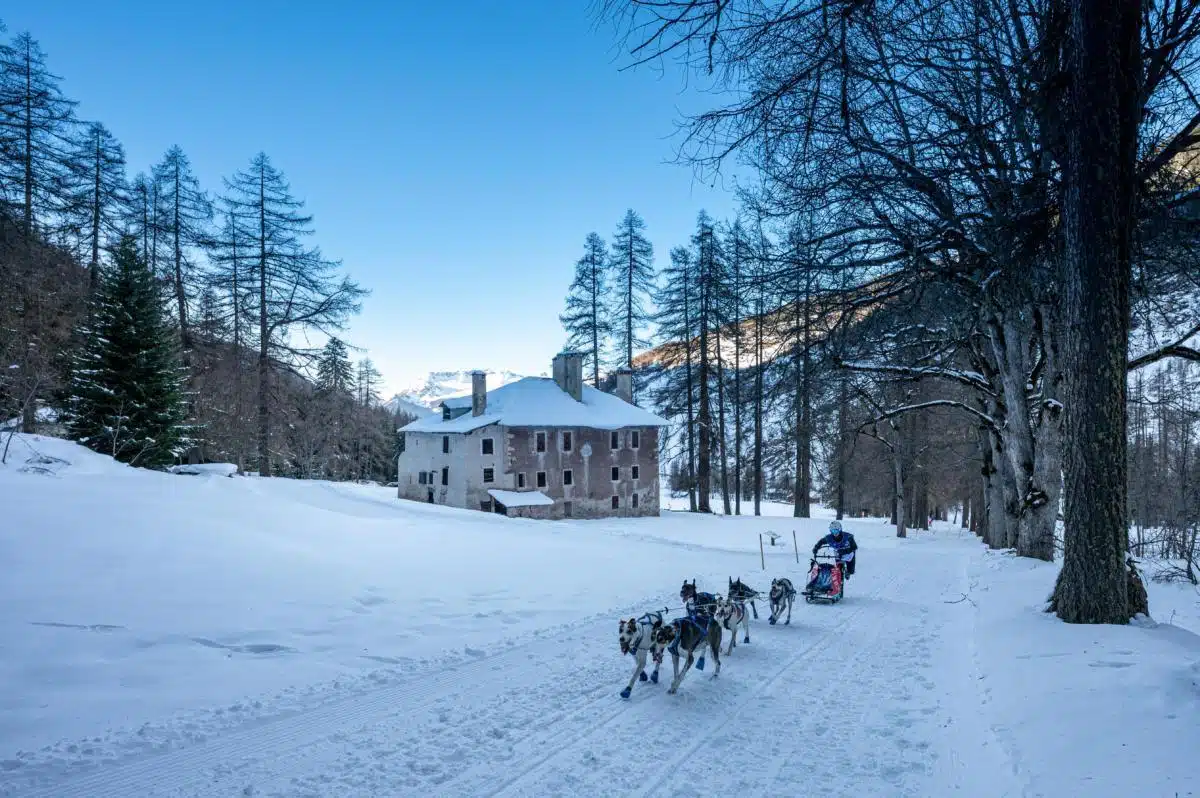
<point>826,580</point>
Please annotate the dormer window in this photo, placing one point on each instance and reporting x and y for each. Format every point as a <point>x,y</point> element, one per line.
<point>445,413</point>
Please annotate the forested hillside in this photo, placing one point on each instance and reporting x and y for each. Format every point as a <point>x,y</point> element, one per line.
<point>241,286</point>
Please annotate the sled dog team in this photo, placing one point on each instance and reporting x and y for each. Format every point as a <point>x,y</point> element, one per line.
<point>707,616</point>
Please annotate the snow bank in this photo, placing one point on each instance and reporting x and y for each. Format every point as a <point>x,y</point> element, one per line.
<point>1088,710</point>
<point>205,469</point>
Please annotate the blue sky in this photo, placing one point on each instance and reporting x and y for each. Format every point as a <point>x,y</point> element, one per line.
<point>454,154</point>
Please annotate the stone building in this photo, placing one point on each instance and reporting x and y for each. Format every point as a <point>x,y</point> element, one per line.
<point>538,447</point>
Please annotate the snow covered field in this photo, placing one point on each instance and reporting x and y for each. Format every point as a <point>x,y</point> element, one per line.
<point>201,635</point>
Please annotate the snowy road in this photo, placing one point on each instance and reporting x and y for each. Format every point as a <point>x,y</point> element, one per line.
<point>873,696</point>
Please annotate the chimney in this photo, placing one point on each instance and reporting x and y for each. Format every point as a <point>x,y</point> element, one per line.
<point>567,368</point>
<point>624,387</point>
<point>478,393</point>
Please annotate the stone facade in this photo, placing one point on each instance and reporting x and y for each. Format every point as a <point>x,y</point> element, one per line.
<point>577,473</point>
<point>590,461</point>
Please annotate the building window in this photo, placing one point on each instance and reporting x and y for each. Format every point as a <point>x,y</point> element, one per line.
<point>566,441</point>
<point>635,500</point>
<point>489,475</point>
<point>636,471</point>
<point>445,444</point>
<point>421,477</point>
<point>635,440</point>
<point>568,477</point>
<point>616,474</point>
<point>521,480</point>
<point>445,475</point>
<point>616,502</point>
<point>488,446</point>
<point>540,441</point>
<point>541,479</point>
<point>486,506</point>
<point>615,440</point>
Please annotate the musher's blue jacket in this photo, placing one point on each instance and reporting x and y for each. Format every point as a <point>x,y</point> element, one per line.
<point>844,546</point>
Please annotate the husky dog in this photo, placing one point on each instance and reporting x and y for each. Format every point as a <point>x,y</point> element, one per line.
<point>689,634</point>
<point>782,594</point>
<point>638,637</point>
<point>731,614</point>
<point>740,591</point>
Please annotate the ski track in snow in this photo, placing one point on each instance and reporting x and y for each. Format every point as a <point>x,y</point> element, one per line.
<point>843,699</point>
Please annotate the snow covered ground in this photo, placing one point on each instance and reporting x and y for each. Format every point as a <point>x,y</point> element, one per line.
<point>206,636</point>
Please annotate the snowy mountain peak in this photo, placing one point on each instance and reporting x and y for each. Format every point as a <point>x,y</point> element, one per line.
<point>422,397</point>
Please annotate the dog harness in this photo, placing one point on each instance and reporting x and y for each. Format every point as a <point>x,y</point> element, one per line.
<point>647,620</point>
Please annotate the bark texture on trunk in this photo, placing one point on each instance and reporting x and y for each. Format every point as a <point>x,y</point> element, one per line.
<point>1104,61</point>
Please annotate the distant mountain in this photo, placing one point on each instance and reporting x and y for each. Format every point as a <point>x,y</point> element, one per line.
<point>398,404</point>
<point>424,397</point>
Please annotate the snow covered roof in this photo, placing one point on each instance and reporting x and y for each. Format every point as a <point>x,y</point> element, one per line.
<point>539,402</point>
<point>522,498</point>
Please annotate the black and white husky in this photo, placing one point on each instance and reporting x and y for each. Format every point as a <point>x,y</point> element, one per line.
<point>638,637</point>
<point>782,595</point>
<point>731,614</point>
<point>690,634</point>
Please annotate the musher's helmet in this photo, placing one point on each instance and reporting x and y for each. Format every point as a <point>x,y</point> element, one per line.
<point>835,527</point>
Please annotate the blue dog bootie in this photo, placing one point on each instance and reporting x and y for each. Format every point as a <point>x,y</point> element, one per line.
<point>654,676</point>
<point>642,676</point>
<point>625,693</point>
<point>700,664</point>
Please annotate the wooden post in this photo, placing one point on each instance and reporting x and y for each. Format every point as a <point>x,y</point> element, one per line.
<point>761,553</point>
<point>796,546</point>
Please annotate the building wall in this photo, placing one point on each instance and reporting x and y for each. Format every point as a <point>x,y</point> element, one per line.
<point>590,460</point>
<point>515,452</point>
<point>466,462</point>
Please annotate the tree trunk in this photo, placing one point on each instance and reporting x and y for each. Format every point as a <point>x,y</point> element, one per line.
<point>264,337</point>
<point>758,402</point>
<point>691,410</point>
<point>180,292</point>
<point>898,475</point>
<point>1098,220</point>
<point>94,266</point>
<point>704,464</point>
<point>721,442</point>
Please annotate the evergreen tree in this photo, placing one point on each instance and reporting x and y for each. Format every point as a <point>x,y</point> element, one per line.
<point>585,319</point>
<point>295,289</point>
<point>676,321</point>
<point>632,269</point>
<point>100,200</point>
<point>335,373</point>
<point>126,395</point>
<point>182,225</point>
<point>36,127</point>
<point>369,381</point>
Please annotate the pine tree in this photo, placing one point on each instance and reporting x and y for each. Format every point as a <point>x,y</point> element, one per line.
<point>586,320</point>
<point>369,381</point>
<point>295,288</point>
<point>36,128</point>
<point>676,322</point>
<point>708,268</point>
<point>632,268</point>
<point>126,392</point>
<point>183,225</point>
<point>335,374</point>
<point>100,203</point>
